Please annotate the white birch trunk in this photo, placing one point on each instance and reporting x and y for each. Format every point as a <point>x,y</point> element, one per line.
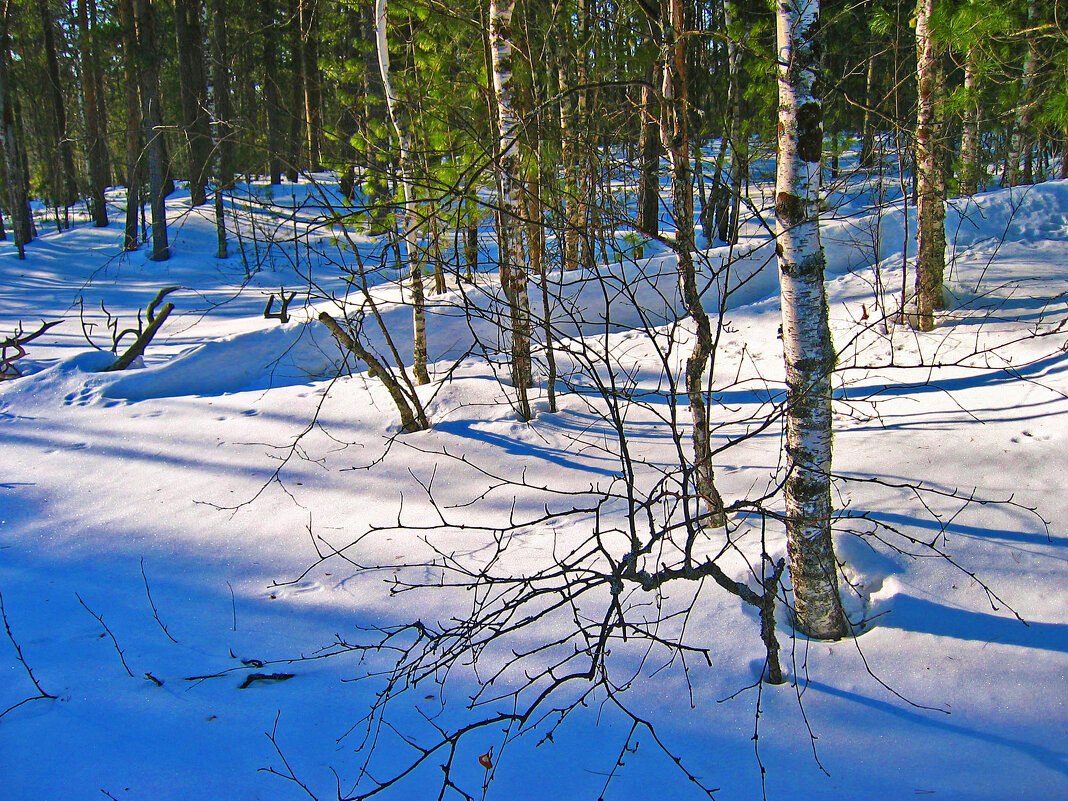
<point>512,259</point>
<point>807,346</point>
<point>404,222</point>
<point>969,138</point>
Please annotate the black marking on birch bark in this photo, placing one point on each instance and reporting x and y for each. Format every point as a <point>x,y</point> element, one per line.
<point>808,267</point>
<point>810,132</point>
<point>790,209</point>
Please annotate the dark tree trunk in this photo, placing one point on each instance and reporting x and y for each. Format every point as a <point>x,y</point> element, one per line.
<point>649,144</point>
<point>194,91</point>
<point>224,132</point>
<point>18,193</point>
<point>134,164</point>
<point>66,184</point>
<point>313,92</point>
<point>296,135</point>
<point>352,95</point>
<point>95,123</point>
<point>151,116</point>
<point>270,91</point>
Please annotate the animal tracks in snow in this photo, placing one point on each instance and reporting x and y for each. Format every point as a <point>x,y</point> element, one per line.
<point>1030,436</point>
<point>82,397</point>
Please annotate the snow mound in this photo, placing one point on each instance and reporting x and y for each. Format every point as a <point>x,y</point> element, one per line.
<point>294,353</point>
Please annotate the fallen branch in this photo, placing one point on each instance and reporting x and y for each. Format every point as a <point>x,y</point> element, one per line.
<point>410,420</point>
<point>144,334</point>
<point>15,342</point>
<point>282,314</point>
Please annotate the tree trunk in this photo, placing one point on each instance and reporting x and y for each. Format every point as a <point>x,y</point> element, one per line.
<point>649,145</point>
<point>378,194</point>
<point>867,148</point>
<point>309,22</point>
<point>194,92</point>
<point>224,131</point>
<point>95,123</point>
<point>1064,154</point>
<point>930,183</point>
<point>151,116</point>
<point>134,127</point>
<point>66,188</point>
<point>1025,112</point>
<point>18,194</point>
<point>270,92</point>
<point>569,200</point>
<point>676,141</point>
<point>969,140</point>
<point>739,169</point>
<point>512,256</point>
<point>808,351</point>
<point>405,227</point>
<point>295,139</point>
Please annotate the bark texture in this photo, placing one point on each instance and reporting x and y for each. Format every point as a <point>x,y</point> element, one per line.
<point>675,138</point>
<point>134,162</point>
<point>18,190</point>
<point>152,121</point>
<point>808,350</point>
<point>224,109</point>
<point>930,182</point>
<point>194,95</point>
<point>969,137</point>
<point>65,184</point>
<point>405,226</point>
<point>513,262</point>
<point>1022,134</point>
<point>95,113</point>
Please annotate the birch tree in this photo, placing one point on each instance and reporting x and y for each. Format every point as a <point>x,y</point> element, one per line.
<point>404,182</point>
<point>512,257</point>
<point>809,352</point>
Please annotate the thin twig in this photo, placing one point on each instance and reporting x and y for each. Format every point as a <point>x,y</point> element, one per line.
<point>115,642</point>
<point>42,694</point>
<point>155,612</point>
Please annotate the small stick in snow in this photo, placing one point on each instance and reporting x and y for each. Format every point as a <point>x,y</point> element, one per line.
<point>155,612</point>
<point>252,678</point>
<point>115,642</point>
<point>22,660</point>
<point>233,604</point>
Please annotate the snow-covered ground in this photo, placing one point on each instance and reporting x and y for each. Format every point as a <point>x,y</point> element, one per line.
<point>166,532</point>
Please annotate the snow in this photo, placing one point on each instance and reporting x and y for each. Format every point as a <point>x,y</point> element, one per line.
<point>206,484</point>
